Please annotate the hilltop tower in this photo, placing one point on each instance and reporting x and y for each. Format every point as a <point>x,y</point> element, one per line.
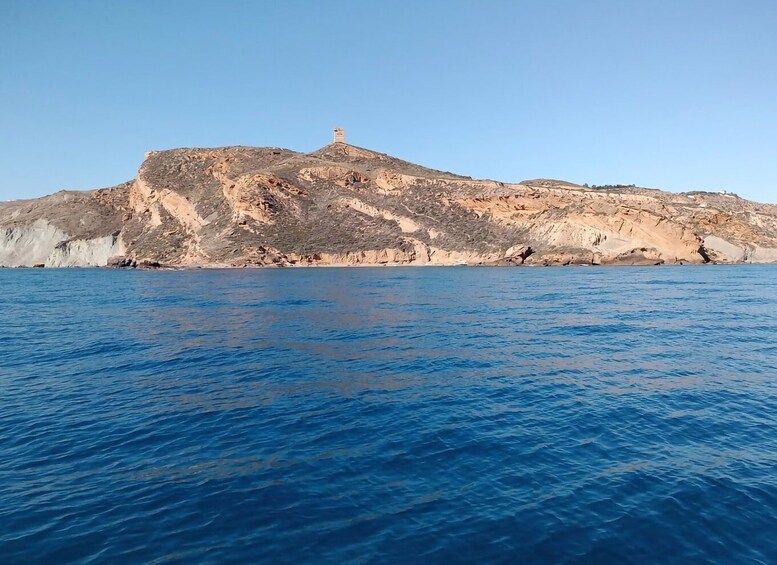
<point>339,135</point>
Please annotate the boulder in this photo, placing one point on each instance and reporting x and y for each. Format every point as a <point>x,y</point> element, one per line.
<point>121,262</point>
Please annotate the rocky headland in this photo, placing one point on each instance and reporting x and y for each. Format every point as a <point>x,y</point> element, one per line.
<point>344,205</point>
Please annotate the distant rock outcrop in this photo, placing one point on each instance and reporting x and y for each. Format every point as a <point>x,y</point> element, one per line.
<point>243,206</point>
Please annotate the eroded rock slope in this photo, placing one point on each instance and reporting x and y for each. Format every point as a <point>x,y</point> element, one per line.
<point>243,206</point>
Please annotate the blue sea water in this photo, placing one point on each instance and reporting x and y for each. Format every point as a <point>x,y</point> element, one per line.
<point>422,415</point>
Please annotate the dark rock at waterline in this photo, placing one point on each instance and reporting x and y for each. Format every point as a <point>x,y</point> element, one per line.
<point>121,262</point>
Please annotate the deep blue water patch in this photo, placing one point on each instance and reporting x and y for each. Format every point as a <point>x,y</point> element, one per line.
<point>389,415</point>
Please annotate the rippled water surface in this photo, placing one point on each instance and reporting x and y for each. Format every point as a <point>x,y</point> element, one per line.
<point>382,415</point>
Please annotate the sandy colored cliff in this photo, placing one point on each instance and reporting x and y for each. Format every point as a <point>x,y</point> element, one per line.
<point>243,206</point>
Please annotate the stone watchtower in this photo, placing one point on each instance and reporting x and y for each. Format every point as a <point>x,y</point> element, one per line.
<point>339,135</point>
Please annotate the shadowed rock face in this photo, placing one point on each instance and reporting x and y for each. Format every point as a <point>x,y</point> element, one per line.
<point>239,206</point>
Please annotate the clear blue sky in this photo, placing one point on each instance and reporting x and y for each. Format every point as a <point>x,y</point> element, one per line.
<point>674,94</point>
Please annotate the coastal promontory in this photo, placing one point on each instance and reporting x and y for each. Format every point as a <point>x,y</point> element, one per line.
<point>345,205</point>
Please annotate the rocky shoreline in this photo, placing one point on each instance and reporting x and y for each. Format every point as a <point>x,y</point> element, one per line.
<point>342,205</point>
<point>155,266</point>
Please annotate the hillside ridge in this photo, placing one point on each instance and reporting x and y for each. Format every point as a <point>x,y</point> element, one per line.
<point>346,205</point>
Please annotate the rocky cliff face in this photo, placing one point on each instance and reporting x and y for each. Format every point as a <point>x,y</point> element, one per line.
<point>65,229</point>
<point>242,206</point>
